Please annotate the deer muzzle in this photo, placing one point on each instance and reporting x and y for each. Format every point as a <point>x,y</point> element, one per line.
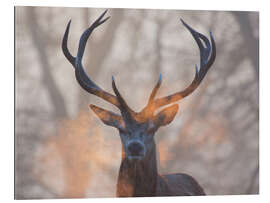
<point>136,150</point>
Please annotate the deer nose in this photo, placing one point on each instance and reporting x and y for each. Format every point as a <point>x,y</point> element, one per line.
<point>135,149</point>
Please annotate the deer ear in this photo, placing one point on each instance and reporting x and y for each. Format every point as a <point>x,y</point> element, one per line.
<point>108,117</point>
<point>166,116</point>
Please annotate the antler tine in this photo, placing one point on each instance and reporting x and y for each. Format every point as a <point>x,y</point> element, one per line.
<point>207,58</point>
<point>82,78</point>
<point>154,91</point>
<point>126,112</point>
<point>67,53</point>
<point>87,33</point>
<point>65,50</point>
<point>148,110</point>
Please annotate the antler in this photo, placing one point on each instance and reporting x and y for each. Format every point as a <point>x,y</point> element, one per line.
<point>127,113</point>
<point>149,110</point>
<point>82,78</point>
<point>207,58</point>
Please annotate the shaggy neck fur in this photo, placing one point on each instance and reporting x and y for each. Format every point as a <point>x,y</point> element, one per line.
<point>138,178</point>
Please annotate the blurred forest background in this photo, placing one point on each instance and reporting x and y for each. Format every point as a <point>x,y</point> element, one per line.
<point>64,150</point>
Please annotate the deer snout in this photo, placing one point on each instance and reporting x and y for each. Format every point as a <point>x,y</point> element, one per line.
<point>135,149</point>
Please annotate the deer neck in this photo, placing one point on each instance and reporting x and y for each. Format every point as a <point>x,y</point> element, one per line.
<point>138,178</point>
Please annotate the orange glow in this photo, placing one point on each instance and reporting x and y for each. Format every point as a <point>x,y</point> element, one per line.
<point>164,153</point>
<point>69,161</point>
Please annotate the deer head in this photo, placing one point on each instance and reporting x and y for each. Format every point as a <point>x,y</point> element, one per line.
<point>137,129</point>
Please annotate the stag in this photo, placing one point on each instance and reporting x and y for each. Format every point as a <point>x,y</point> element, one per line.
<point>138,175</point>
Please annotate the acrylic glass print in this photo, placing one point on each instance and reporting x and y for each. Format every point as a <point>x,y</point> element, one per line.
<point>135,102</point>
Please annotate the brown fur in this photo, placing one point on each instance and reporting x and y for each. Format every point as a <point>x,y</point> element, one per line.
<point>141,179</point>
